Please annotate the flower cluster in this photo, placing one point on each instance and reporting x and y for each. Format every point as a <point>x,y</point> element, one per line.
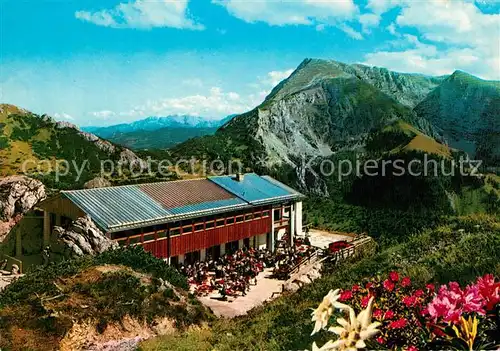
<point>409,318</point>
<point>451,302</point>
<point>397,307</point>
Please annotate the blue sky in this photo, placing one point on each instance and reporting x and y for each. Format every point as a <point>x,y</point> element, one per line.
<point>111,61</point>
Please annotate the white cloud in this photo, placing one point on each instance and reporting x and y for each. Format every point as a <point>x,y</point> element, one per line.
<point>350,31</point>
<point>298,12</point>
<point>318,13</point>
<point>458,35</point>
<point>273,78</point>
<point>215,103</point>
<point>427,59</point>
<point>64,115</point>
<point>104,114</point>
<point>391,28</point>
<point>143,14</point>
<point>193,82</point>
<point>381,6</point>
<point>368,21</point>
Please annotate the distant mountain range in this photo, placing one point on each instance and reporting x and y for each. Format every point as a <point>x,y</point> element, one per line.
<point>158,132</point>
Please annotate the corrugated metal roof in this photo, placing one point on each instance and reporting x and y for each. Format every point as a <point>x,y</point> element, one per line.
<point>281,185</point>
<point>254,189</point>
<point>185,192</point>
<point>234,203</point>
<point>117,206</point>
<point>134,206</point>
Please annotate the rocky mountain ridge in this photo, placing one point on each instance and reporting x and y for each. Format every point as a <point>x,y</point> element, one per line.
<point>326,108</point>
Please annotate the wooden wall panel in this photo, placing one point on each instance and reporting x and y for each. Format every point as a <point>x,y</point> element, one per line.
<point>182,244</point>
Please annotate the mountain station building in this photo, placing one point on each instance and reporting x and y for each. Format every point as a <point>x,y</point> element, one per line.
<point>183,221</point>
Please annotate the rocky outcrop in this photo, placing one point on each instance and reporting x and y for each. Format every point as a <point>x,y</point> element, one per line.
<point>465,110</point>
<point>65,124</point>
<point>104,145</point>
<point>84,238</point>
<point>303,278</point>
<point>326,107</point>
<point>18,195</point>
<point>127,157</point>
<point>98,182</point>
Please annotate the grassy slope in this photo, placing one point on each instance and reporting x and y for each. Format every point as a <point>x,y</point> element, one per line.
<point>27,136</point>
<point>39,309</point>
<point>31,137</point>
<point>435,255</point>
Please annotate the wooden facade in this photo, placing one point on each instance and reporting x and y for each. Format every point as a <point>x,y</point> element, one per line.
<point>192,235</point>
<point>180,238</point>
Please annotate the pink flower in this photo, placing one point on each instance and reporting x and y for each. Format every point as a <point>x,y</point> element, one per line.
<point>355,288</point>
<point>411,348</point>
<point>419,293</point>
<point>398,324</point>
<point>410,301</point>
<point>365,300</point>
<point>454,286</point>
<point>406,282</point>
<point>453,316</point>
<point>368,285</point>
<point>451,301</point>
<point>377,313</point>
<point>430,287</point>
<point>380,340</point>
<point>472,300</point>
<point>389,285</point>
<point>345,295</point>
<point>489,290</point>
<point>389,314</point>
<point>394,276</point>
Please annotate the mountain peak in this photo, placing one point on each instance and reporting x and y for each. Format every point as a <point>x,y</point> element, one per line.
<point>9,109</point>
<point>468,80</point>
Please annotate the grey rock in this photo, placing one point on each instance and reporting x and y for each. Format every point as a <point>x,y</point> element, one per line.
<point>18,194</point>
<point>83,237</point>
<point>97,182</point>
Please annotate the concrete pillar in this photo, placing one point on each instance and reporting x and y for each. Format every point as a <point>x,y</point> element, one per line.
<point>46,228</point>
<point>223,249</point>
<point>292,223</point>
<point>181,259</point>
<point>203,254</point>
<point>272,241</point>
<point>19,243</point>
<point>298,218</point>
<point>240,244</point>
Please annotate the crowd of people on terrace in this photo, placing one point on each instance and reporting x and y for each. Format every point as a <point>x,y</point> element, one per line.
<point>234,273</point>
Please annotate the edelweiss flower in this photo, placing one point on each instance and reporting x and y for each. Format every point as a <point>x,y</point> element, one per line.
<point>322,314</point>
<point>354,331</point>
